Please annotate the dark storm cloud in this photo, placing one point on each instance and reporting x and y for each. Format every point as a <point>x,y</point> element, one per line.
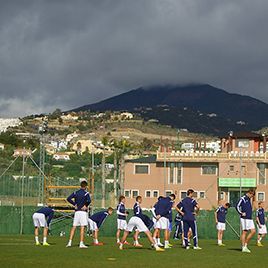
<point>70,53</point>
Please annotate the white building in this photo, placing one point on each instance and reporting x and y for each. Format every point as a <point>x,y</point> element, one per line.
<point>5,123</point>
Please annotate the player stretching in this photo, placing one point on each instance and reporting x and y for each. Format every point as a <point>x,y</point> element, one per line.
<point>163,211</point>
<point>137,222</point>
<point>244,208</point>
<point>188,207</point>
<point>260,219</point>
<point>220,218</point>
<point>80,200</point>
<point>121,217</point>
<point>95,221</point>
<point>42,218</point>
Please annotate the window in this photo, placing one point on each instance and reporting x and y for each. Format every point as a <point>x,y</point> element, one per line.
<point>202,195</point>
<point>209,170</point>
<point>261,196</point>
<point>135,193</point>
<point>183,194</point>
<point>243,169</point>
<point>262,173</point>
<point>168,193</point>
<point>242,143</point>
<point>175,173</point>
<point>179,173</point>
<point>231,168</point>
<point>141,169</point>
<point>148,193</point>
<point>221,196</point>
<point>127,193</point>
<point>155,193</point>
<point>171,173</point>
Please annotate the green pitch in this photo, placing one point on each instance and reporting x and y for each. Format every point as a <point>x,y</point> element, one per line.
<point>20,251</point>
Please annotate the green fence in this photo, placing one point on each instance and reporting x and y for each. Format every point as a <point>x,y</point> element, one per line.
<point>10,223</point>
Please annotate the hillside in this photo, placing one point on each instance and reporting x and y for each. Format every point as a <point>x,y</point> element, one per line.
<point>199,108</point>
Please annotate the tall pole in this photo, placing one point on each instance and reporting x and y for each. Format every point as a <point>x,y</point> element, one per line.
<point>165,166</point>
<point>103,179</point>
<point>115,175</point>
<point>22,192</point>
<point>240,171</point>
<point>92,175</point>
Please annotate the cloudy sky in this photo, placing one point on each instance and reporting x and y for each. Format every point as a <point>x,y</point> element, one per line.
<point>66,53</point>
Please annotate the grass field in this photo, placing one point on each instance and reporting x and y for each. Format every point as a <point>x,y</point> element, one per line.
<point>20,251</point>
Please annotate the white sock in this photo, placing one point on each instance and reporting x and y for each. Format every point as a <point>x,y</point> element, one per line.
<point>81,243</point>
<point>166,242</point>
<point>259,240</point>
<point>96,241</point>
<point>155,239</point>
<point>219,242</point>
<point>44,240</point>
<point>118,240</point>
<point>36,239</point>
<point>136,242</point>
<point>156,246</point>
<point>70,242</point>
<point>158,240</point>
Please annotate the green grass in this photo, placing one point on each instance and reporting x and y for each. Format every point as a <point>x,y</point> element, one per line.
<point>20,251</point>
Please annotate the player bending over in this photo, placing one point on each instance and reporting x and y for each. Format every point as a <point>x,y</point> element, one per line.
<point>80,200</point>
<point>220,218</point>
<point>260,219</point>
<point>244,208</point>
<point>95,221</point>
<point>42,218</point>
<point>121,218</point>
<point>137,222</point>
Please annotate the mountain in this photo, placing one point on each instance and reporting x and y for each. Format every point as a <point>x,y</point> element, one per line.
<point>210,110</point>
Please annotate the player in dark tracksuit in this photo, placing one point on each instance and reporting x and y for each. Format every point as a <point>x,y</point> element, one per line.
<point>178,226</point>
<point>188,208</point>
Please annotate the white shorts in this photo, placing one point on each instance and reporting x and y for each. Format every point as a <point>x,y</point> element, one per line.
<point>221,226</point>
<point>92,225</point>
<point>80,218</point>
<point>162,224</point>
<point>121,224</point>
<point>247,224</point>
<point>154,221</point>
<point>39,220</point>
<point>138,223</point>
<point>262,229</point>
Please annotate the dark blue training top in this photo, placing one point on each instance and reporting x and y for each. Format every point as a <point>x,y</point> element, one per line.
<point>163,207</point>
<point>221,214</point>
<point>244,206</point>
<point>48,212</point>
<point>137,210</point>
<point>79,198</point>
<point>187,205</point>
<point>121,211</point>
<point>99,217</point>
<point>261,215</point>
<point>147,221</point>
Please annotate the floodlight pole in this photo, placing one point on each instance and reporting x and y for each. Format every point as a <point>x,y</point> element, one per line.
<point>22,192</point>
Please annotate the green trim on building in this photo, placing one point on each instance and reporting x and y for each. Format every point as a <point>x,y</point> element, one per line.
<point>235,182</point>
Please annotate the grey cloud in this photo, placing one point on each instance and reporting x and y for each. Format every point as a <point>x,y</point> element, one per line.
<point>70,53</point>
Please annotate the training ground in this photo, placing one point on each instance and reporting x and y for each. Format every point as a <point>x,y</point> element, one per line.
<point>20,251</point>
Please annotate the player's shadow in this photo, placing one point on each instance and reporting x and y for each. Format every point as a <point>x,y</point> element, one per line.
<point>234,249</point>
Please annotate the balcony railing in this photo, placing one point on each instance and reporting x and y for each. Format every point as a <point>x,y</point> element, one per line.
<point>199,156</point>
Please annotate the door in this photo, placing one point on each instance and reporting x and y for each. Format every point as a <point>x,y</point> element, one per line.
<point>234,197</point>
